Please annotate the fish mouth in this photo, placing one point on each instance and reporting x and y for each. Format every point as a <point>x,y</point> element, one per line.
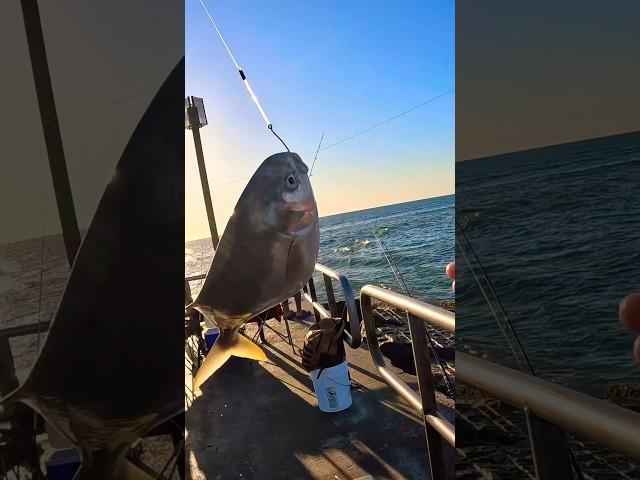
<point>300,215</point>
<point>300,219</point>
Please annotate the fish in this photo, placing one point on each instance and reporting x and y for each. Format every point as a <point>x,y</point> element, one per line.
<point>111,368</point>
<point>267,254</point>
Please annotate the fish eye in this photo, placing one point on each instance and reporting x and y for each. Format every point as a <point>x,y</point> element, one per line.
<point>291,180</point>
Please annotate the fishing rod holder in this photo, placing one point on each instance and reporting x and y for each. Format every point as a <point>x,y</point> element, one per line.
<point>437,428</point>
<point>351,334</point>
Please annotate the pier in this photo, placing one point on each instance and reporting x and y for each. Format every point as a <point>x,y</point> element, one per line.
<point>258,420</point>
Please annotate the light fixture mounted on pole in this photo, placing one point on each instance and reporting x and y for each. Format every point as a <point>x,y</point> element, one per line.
<point>195,118</point>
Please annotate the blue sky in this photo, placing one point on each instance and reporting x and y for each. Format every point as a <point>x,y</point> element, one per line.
<point>337,67</point>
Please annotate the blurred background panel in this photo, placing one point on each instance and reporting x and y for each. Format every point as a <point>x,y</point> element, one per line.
<point>547,221</point>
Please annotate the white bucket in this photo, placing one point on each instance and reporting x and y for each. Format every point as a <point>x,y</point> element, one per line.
<point>333,387</point>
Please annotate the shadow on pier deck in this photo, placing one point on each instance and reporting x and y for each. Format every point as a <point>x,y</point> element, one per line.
<point>261,421</point>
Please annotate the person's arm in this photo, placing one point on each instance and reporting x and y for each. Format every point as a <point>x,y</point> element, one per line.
<point>629,315</point>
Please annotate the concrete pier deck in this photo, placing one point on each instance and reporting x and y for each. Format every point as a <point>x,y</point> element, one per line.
<point>261,421</point>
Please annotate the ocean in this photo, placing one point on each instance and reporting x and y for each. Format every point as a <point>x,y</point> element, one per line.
<point>418,235</point>
<point>558,231</point>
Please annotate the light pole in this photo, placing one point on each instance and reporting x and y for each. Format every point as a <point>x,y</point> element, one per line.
<point>51,128</point>
<point>196,118</point>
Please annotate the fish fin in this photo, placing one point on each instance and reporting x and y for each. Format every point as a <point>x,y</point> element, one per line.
<point>215,359</point>
<point>121,470</point>
<point>245,348</point>
<point>240,346</point>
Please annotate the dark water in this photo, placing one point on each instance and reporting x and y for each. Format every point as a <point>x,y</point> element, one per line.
<point>558,231</point>
<point>419,237</point>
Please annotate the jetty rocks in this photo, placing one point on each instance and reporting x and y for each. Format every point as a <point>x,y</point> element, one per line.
<point>395,342</point>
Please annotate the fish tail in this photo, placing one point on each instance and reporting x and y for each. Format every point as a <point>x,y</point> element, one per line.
<point>110,468</point>
<point>229,344</point>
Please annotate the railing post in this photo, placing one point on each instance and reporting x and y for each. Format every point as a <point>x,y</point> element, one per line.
<point>427,396</point>
<point>549,449</point>
<point>314,298</point>
<point>331,298</point>
<point>8,379</point>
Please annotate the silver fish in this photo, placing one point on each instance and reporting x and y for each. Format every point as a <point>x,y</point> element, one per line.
<point>111,368</point>
<point>267,253</point>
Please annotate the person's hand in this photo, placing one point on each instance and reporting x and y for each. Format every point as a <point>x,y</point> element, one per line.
<point>629,315</point>
<point>451,273</point>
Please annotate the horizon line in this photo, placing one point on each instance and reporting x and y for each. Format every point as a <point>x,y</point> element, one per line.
<point>389,205</point>
<point>545,146</point>
<point>355,211</point>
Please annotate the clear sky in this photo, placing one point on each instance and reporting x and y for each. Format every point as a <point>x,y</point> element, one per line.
<point>532,74</point>
<point>337,67</point>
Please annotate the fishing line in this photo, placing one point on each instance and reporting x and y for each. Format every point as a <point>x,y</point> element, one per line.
<point>492,290</point>
<point>316,157</point>
<point>351,137</point>
<point>202,257</point>
<point>384,122</point>
<point>493,311</point>
<point>44,219</point>
<point>243,77</point>
<point>82,111</point>
<point>270,127</point>
<point>400,279</point>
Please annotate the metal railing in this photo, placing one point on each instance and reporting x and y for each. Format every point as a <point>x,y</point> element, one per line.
<point>8,378</point>
<point>437,428</point>
<point>351,334</point>
<point>195,277</point>
<point>551,411</point>
<point>21,330</point>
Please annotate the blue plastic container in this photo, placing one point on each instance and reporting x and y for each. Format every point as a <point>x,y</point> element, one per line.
<point>210,336</point>
<point>63,464</point>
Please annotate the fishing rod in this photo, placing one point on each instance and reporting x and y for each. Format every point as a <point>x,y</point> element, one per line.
<point>505,325</point>
<point>268,123</point>
<point>244,78</point>
<point>507,320</point>
<point>316,157</point>
<point>400,279</point>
